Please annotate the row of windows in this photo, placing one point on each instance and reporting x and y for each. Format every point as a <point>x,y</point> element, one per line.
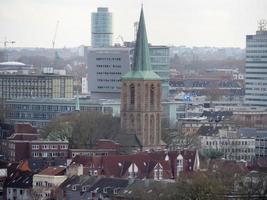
<point>256,51</point>
<point>107,87</point>
<point>48,154</point>
<point>46,146</point>
<point>117,59</point>
<point>108,73</point>
<point>256,45</point>
<point>256,56</point>
<point>109,80</point>
<point>229,143</point>
<point>256,83</point>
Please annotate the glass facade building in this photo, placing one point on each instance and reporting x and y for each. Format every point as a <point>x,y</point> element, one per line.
<point>256,69</point>
<point>101,28</point>
<point>160,62</point>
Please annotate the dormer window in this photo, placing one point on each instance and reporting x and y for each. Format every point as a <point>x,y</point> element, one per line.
<point>95,173</point>
<point>133,171</point>
<point>116,190</point>
<point>158,172</point>
<point>74,187</point>
<point>179,164</point>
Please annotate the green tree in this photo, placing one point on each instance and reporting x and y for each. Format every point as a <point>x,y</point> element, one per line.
<point>82,129</point>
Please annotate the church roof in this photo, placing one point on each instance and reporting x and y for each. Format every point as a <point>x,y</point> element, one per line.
<point>141,69</point>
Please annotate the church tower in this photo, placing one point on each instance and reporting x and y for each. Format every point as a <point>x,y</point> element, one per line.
<point>141,94</point>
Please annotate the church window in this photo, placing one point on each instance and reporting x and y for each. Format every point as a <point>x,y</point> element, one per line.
<point>132,94</point>
<point>152,96</point>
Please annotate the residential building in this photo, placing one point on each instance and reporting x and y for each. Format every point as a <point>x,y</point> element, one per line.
<point>102,147</point>
<point>46,182</point>
<point>88,187</point>
<point>101,28</point>
<point>16,86</point>
<point>18,184</point>
<point>251,117</point>
<point>75,186</point>
<point>25,143</point>
<point>154,165</point>
<point>232,148</point>
<point>141,96</point>
<point>105,68</point>
<point>261,146</point>
<point>256,68</point>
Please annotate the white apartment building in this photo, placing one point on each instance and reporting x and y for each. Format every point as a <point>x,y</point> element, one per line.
<point>232,148</point>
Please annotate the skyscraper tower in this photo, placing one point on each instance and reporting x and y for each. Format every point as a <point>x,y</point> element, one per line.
<point>141,94</point>
<point>101,28</point>
<point>256,67</point>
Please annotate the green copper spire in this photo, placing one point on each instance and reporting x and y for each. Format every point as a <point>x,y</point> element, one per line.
<point>141,62</point>
<point>77,102</point>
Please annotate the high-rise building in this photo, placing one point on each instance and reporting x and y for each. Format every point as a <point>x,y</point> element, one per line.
<point>256,68</point>
<point>141,95</point>
<point>105,68</point>
<point>160,63</point>
<point>101,28</point>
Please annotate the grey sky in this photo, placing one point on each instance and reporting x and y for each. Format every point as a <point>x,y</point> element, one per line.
<point>222,23</point>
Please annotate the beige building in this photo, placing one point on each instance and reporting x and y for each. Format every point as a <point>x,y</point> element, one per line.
<point>46,182</point>
<point>15,86</point>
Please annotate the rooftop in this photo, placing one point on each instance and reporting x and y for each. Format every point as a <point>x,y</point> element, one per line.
<point>53,171</point>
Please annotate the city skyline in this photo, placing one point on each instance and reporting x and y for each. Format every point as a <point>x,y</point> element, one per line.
<point>192,23</point>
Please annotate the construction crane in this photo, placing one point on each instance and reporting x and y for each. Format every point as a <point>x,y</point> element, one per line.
<point>55,35</point>
<point>5,42</point>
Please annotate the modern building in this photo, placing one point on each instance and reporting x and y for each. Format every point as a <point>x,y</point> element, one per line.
<point>141,96</point>
<point>160,63</point>
<point>105,68</point>
<point>39,111</point>
<point>256,68</point>
<point>101,28</point>
<point>16,86</point>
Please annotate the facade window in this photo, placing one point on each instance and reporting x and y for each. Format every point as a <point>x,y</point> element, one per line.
<point>45,146</point>
<point>34,146</point>
<point>152,95</point>
<point>132,94</point>
<point>53,146</point>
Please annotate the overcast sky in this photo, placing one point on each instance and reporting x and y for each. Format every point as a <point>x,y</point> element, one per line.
<point>221,23</point>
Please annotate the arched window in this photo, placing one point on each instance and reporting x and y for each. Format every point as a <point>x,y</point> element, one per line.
<point>132,94</point>
<point>152,95</point>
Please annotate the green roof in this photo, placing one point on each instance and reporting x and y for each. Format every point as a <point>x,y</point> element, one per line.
<point>141,69</point>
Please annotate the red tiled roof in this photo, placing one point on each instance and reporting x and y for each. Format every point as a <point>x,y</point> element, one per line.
<point>53,171</point>
<point>117,165</point>
<point>25,128</point>
<point>23,136</point>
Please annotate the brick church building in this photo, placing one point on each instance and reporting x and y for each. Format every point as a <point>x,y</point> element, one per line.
<point>140,96</point>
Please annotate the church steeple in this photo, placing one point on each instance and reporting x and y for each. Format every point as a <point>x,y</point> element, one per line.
<point>141,94</point>
<point>141,69</point>
<point>141,53</point>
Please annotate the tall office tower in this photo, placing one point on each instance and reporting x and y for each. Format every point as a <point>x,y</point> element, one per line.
<point>141,94</point>
<point>105,68</point>
<point>101,28</point>
<point>256,67</point>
